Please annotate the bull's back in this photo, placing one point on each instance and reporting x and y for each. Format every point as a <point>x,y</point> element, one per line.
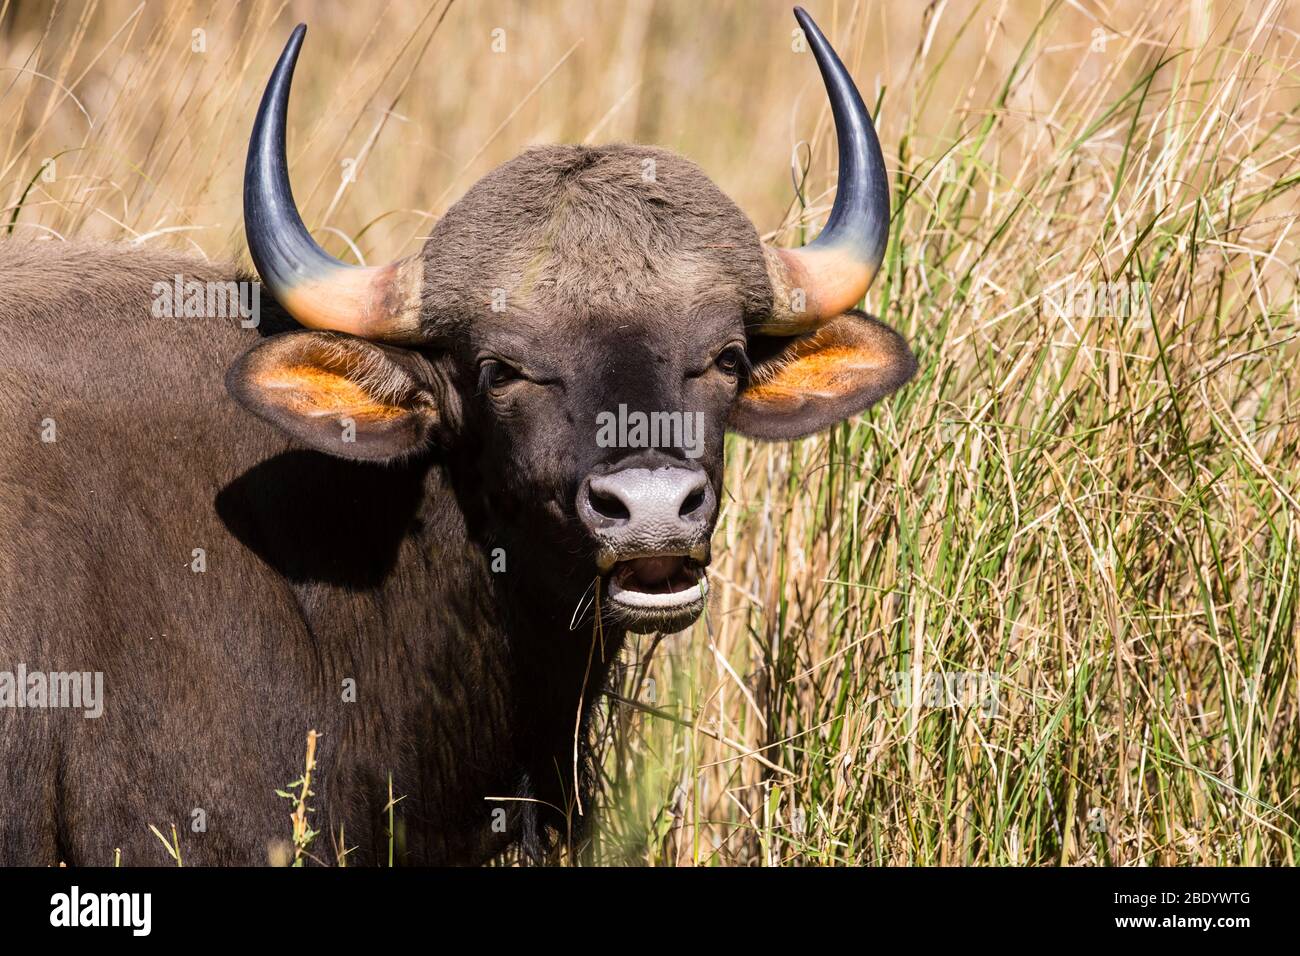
<point>116,437</point>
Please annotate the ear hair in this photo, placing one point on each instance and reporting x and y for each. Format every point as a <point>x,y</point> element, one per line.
<point>808,382</point>
<point>339,394</point>
<point>369,373</point>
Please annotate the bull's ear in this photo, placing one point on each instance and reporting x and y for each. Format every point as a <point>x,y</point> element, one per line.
<point>805,383</point>
<point>339,394</point>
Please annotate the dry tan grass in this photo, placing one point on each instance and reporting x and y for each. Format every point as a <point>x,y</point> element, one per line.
<point>1100,510</point>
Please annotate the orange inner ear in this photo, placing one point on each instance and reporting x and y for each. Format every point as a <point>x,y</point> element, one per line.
<point>316,391</point>
<point>825,371</point>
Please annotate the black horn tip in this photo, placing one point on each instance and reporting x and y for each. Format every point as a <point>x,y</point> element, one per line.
<point>293,45</point>
<point>281,247</point>
<point>806,21</point>
<point>860,215</point>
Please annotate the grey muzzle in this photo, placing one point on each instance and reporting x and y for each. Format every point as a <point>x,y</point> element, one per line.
<point>639,512</point>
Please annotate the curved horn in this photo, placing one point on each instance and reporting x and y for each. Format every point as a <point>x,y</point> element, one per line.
<point>814,284</point>
<point>376,302</point>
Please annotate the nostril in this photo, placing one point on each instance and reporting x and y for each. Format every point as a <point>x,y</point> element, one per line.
<point>692,503</point>
<point>607,506</point>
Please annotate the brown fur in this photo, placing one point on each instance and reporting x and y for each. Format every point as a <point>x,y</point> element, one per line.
<point>576,233</point>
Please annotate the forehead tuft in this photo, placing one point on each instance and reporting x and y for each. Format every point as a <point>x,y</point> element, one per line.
<point>586,230</point>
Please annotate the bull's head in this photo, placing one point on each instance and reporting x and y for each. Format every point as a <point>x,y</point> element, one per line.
<point>580,330</point>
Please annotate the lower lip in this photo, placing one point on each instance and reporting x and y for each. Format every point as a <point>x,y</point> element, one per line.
<point>650,601</point>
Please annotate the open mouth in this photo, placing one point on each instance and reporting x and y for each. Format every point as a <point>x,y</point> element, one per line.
<point>660,592</point>
<point>667,581</point>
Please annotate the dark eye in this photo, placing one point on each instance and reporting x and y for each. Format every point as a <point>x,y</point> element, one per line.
<point>493,374</point>
<point>732,360</point>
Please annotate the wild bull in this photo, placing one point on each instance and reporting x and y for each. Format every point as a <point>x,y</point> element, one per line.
<point>415,545</point>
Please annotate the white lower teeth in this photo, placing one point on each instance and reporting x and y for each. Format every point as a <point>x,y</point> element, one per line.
<point>652,599</point>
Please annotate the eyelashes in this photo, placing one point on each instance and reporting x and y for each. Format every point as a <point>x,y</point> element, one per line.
<point>734,361</point>
<point>493,374</point>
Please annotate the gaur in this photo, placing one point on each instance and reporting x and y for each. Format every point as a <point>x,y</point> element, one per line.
<point>414,544</point>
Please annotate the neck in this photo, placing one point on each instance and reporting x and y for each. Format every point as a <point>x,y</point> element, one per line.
<point>470,684</point>
<point>557,660</point>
